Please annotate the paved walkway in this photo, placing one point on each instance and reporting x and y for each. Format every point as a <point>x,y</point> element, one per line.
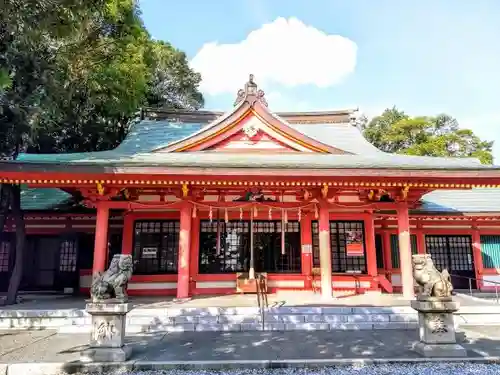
<point>49,346</point>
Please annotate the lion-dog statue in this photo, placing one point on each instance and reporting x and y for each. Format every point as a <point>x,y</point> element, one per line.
<point>112,284</point>
<point>431,282</point>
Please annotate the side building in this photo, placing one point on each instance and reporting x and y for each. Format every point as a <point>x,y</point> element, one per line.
<point>203,199</point>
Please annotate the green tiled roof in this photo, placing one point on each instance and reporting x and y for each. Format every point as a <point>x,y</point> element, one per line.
<point>148,135</point>
<point>44,199</point>
<point>144,136</point>
<point>109,162</point>
<point>462,201</point>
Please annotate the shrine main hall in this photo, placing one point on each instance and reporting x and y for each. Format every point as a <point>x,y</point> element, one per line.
<point>208,202</point>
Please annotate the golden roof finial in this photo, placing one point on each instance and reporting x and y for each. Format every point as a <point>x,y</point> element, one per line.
<point>250,92</point>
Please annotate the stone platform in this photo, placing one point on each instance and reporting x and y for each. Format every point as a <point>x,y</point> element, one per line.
<point>286,312</point>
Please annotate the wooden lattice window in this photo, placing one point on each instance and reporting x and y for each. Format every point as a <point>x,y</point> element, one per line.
<point>227,252</point>
<point>68,256</point>
<point>341,262</point>
<point>5,249</point>
<point>451,252</point>
<point>225,247</point>
<point>315,243</point>
<point>156,247</point>
<point>273,256</point>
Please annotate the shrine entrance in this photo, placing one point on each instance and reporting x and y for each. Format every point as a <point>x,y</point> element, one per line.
<point>50,264</point>
<point>455,254</point>
<point>277,252</point>
<point>229,247</point>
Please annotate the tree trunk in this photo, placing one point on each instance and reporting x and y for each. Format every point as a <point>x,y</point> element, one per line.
<point>17,272</point>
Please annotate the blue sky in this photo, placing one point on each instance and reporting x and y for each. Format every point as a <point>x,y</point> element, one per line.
<point>426,57</point>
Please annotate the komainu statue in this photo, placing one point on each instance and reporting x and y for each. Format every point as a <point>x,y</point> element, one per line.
<point>112,284</point>
<point>431,282</point>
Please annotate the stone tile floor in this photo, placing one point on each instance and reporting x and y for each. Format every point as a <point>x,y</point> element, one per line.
<point>48,346</point>
<point>392,369</point>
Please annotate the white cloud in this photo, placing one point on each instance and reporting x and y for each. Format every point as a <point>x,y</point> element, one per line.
<point>286,52</point>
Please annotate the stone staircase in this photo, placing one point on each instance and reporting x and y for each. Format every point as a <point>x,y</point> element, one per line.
<point>284,318</point>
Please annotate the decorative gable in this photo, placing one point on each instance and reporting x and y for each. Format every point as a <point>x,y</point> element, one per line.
<point>250,127</point>
<point>252,135</point>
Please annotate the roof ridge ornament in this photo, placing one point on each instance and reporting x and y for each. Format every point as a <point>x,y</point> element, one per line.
<point>250,93</point>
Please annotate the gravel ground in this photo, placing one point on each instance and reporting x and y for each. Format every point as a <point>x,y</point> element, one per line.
<point>420,369</point>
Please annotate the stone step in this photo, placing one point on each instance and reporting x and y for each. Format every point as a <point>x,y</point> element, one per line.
<point>245,319</point>
<point>245,327</point>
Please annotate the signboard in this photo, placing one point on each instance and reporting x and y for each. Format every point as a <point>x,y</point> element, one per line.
<point>149,252</point>
<point>353,271</point>
<point>354,243</point>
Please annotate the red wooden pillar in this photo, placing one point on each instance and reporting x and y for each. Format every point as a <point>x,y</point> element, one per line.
<point>478,257</point>
<point>101,239</point>
<point>307,257</point>
<point>405,251</point>
<point>128,234</point>
<point>325,254</point>
<point>195,252</point>
<point>184,250</point>
<point>420,239</point>
<point>386,245</point>
<point>371,251</point>
<point>420,242</point>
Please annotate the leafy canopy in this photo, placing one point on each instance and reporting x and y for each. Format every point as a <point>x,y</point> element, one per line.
<point>74,74</point>
<point>396,132</point>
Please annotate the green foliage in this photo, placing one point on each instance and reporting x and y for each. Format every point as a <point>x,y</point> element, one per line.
<point>5,80</point>
<point>172,83</point>
<point>75,73</point>
<point>396,132</point>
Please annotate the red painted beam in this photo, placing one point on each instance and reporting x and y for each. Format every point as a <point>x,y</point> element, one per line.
<point>145,173</point>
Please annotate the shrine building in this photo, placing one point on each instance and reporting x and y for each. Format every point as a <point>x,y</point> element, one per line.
<point>208,202</point>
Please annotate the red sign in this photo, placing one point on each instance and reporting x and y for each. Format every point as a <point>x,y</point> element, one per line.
<point>355,250</point>
<point>354,244</point>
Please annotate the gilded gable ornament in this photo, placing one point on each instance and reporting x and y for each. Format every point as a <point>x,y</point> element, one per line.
<point>250,93</point>
<point>250,130</point>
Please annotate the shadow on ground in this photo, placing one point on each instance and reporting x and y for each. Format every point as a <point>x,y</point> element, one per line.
<point>299,345</point>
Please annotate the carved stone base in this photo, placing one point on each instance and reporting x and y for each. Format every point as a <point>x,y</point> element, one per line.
<point>439,350</point>
<point>106,354</point>
<point>437,328</point>
<point>107,337</point>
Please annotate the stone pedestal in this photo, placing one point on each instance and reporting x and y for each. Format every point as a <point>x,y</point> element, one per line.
<point>107,337</point>
<point>437,328</point>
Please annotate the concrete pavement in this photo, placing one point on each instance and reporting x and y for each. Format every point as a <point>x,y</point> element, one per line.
<point>49,352</point>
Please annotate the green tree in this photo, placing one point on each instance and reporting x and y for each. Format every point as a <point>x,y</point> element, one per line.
<point>396,132</point>
<point>73,74</point>
<point>106,79</point>
<point>173,84</point>
<point>102,82</point>
<point>30,35</point>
